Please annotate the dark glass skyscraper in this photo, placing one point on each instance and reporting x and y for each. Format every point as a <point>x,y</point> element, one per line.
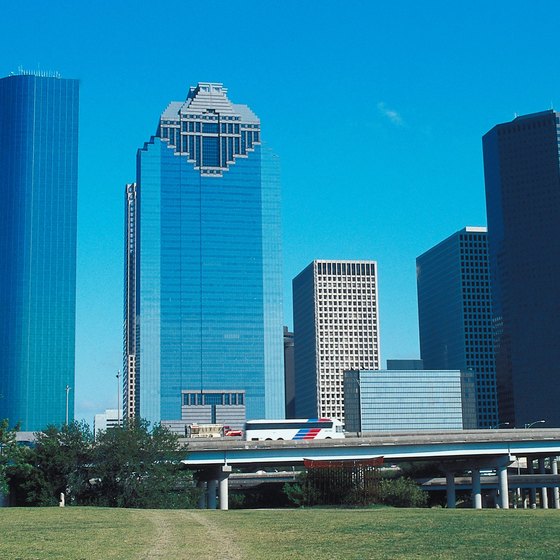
<point>522,175</point>
<point>38,194</point>
<point>207,311</point>
<point>455,314</point>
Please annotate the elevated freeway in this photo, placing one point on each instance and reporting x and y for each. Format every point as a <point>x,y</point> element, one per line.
<point>455,451</point>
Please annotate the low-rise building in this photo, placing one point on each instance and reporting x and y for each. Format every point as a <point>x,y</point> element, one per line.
<point>405,400</point>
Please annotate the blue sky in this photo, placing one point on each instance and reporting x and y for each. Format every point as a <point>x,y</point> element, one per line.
<point>376,112</point>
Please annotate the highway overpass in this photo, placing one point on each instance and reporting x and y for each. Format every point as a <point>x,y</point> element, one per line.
<point>455,451</point>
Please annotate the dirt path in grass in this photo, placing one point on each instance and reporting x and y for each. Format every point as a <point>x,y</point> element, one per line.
<point>225,546</point>
<point>186,535</point>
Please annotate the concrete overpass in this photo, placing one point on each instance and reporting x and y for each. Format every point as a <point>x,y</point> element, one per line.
<point>455,451</point>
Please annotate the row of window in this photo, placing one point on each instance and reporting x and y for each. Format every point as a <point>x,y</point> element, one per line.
<point>346,268</point>
<point>202,398</point>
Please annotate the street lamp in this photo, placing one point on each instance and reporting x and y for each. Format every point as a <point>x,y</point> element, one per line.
<point>531,424</point>
<point>499,425</point>
<point>67,394</point>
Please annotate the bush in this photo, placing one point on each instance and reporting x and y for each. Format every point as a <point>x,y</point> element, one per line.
<point>312,490</point>
<point>401,492</point>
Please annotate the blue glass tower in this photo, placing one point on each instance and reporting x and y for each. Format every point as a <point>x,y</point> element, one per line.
<point>38,195</point>
<point>207,311</point>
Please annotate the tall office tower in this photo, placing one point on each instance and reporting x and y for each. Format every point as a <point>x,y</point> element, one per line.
<point>455,314</point>
<point>130,380</point>
<point>521,169</point>
<point>38,193</point>
<point>207,309</point>
<point>336,328</point>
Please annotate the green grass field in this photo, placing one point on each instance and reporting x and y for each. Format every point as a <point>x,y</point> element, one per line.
<point>105,534</point>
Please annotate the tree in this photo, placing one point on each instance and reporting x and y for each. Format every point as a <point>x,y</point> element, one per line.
<point>59,462</point>
<point>10,454</point>
<point>135,467</point>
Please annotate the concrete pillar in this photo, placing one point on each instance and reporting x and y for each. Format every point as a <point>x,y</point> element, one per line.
<point>532,491</point>
<point>201,485</point>
<point>224,496</point>
<point>503,482</point>
<point>555,490</point>
<point>450,481</point>
<point>212,485</point>
<point>544,489</point>
<point>476,491</point>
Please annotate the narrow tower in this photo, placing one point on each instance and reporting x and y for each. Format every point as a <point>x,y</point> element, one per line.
<point>38,195</point>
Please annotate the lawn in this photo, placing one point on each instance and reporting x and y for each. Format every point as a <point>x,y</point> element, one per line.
<point>105,534</point>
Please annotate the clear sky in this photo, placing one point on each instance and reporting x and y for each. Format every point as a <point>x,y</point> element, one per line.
<point>376,110</point>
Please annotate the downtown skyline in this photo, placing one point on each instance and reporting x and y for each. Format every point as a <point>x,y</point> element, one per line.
<point>410,89</point>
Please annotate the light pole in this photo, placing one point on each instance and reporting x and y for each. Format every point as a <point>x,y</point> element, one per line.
<point>67,395</point>
<point>501,424</point>
<point>531,424</point>
<point>118,397</point>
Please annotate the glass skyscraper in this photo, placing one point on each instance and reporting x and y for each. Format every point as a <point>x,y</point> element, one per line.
<point>38,195</point>
<point>522,176</point>
<point>203,325</point>
<point>455,314</point>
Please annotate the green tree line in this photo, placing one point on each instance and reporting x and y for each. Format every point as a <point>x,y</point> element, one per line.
<point>129,466</point>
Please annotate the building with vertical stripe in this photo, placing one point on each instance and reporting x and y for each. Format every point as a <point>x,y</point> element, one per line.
<point>38,219</point>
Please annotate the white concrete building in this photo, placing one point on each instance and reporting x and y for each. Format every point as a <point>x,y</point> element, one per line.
<point>108,419</point>
<point>336,328</point>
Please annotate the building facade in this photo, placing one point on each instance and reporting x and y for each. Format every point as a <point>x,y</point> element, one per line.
<point>104,421</point>
<point>289,374</point>
<point>405,364</point>
<point>130,380</point>
<point>336,328</point>
<point>455,314</point>
<point>38,214</point>
<point>207,309</point>
<point>521,170</point>
<point>404,400</point>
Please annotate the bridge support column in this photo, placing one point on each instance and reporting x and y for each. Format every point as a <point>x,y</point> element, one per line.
<point>202,486</point>
<point>476,491</point>
<point>544,489</point>
<point>503,483</point>
<point>224,486</point>
<point>532,491</point>
<point>450,482</point>
<point>211,500</point>
<point>555,490</point>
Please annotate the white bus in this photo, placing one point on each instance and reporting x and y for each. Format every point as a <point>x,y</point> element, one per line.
<point>321,428</point>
